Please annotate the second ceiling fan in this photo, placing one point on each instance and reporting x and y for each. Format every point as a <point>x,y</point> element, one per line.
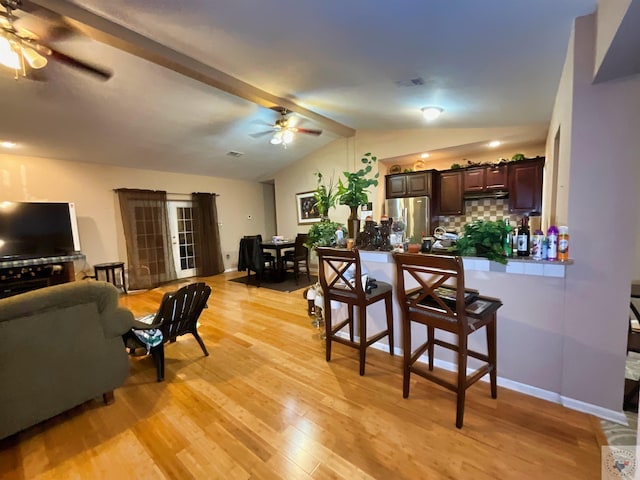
<point>284,129</point>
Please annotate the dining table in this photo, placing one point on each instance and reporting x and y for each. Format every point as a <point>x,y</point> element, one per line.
<point>278,246</point>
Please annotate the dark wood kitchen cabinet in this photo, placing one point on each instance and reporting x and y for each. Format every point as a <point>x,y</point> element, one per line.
<point>451,195</point>
<point>412,184</point>
<point>483,179</point>
<point>525,185</point>
<point>496,177</point>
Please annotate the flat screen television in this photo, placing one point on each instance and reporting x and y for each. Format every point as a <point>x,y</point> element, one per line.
<point>37,229</point>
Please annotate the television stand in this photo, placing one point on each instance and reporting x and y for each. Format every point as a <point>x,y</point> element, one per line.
<point>19,276</point>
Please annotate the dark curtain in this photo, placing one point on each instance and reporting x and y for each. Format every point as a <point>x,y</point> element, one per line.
<point>207,237</point>
<point>148,238</point>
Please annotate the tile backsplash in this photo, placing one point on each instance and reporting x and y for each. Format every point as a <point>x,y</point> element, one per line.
<point>479,209</point>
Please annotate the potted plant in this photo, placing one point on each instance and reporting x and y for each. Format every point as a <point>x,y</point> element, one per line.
<point>354,193</point>
<point>482,238</point>
<point>414,244</point>
<point>323,234</point>
<point>326,196</point>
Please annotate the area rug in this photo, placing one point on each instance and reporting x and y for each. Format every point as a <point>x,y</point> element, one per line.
<point>288,285</point>
<point>621,435</point>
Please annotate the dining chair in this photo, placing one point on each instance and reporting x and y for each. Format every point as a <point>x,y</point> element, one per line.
<point>251,258</point>
<point>298,257</point>
<point>431,292</point>
<point>341,281</point>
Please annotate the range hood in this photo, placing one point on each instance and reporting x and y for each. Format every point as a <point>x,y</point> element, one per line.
<point>490,194</point>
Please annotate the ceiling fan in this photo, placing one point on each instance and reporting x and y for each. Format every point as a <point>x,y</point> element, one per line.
<point>283,130</point>
<point>24,52</point>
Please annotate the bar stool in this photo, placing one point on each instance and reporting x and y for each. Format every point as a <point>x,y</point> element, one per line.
<point>430,290</point>
<point>109,270</point>
<point>341,281</point>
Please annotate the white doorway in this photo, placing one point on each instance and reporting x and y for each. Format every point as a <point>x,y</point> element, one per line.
<point>182,237</point>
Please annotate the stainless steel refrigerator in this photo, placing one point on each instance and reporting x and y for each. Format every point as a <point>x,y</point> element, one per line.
<point>413,212</point>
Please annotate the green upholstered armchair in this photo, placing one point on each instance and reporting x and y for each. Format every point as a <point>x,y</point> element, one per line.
<point>59,347</point>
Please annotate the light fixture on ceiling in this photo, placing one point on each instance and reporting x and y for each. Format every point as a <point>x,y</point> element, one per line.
<point>494,143</point>
<point>7,144</point>
<point>18,50</point>
<point>284,135</point>
<point>431,113</point>
<point>424,155</point>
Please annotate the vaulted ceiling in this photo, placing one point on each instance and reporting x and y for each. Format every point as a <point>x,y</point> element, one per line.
<point>194,79</point>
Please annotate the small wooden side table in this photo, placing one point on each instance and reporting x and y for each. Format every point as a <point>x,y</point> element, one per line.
<point>109,270</point>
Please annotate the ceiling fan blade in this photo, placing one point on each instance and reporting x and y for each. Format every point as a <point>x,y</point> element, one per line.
<point>99,72</point>
<point>308,131</point>
<point>261,134</point>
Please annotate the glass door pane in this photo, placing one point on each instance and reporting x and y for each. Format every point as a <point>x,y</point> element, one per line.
<point>182,239</point>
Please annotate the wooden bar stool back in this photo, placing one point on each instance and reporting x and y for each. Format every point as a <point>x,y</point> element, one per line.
<point>431,292</point>
<point>341,280</point>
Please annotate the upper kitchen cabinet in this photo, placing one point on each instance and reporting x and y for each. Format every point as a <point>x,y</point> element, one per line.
<point>412,184</point>
<point>525,185</point>
<point>482,179</point>
<point>451,199</point>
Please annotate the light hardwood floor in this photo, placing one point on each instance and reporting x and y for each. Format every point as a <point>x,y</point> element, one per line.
<point>266,404</point>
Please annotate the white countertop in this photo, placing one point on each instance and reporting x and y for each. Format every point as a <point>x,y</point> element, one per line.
<point>516,265</point>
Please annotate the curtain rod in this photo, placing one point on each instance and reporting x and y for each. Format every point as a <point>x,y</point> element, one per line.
<point>168,193</point>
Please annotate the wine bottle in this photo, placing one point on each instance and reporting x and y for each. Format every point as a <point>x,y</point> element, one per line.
<point>523,237</point>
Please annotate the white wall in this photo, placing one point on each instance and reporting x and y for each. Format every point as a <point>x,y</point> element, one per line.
<point>599,145</point>
<point>90,186</point>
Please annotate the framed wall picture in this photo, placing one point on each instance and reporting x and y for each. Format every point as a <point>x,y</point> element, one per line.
<point>307,209</point>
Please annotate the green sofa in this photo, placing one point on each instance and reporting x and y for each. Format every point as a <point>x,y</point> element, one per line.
<point>59,347</point>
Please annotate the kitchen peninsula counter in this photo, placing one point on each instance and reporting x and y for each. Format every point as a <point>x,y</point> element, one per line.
<point>531,330</point>
<point>515,265</point>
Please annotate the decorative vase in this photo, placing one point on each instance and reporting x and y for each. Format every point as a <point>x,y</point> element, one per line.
<point>353,223</point>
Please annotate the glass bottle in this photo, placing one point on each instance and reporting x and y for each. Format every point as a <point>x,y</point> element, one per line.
<point>508,241</point>
<point>523,237</point>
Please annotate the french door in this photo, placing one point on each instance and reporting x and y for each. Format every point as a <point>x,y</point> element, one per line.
<point>182,237</point>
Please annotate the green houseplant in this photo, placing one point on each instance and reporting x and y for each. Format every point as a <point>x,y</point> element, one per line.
<point>354,193</point>
<point>326,195</point>
<point>482,238</point>
<point>322,234</point>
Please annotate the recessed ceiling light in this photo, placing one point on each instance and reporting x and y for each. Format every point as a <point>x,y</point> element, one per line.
<point>494,143</point>
<point>7,144</point>
<point>431,113</point>
<point>424,155</point>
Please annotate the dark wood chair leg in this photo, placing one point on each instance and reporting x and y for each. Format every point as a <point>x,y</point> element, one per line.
<point>389,312</point>
<point>362,323</point>
<point>328,328</point>
<point>157,353</point>
<point>201,343</point>
<point>406,363</point>
<point>430,345</point>
<point>351,337</point>
<point>492,354</point>
<point>108,397</point>
<point>462,379</point>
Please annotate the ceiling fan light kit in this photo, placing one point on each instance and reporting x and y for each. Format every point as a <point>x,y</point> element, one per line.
<point>20,48</point>
<point>283,131</point>
<point>431,113</point>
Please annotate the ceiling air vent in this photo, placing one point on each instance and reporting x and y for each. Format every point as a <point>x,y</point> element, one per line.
<point>234,154</point>
<point>412,82</point>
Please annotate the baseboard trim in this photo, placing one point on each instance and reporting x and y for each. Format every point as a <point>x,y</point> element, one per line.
<point>604,413</point>
<point>554,397</point>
